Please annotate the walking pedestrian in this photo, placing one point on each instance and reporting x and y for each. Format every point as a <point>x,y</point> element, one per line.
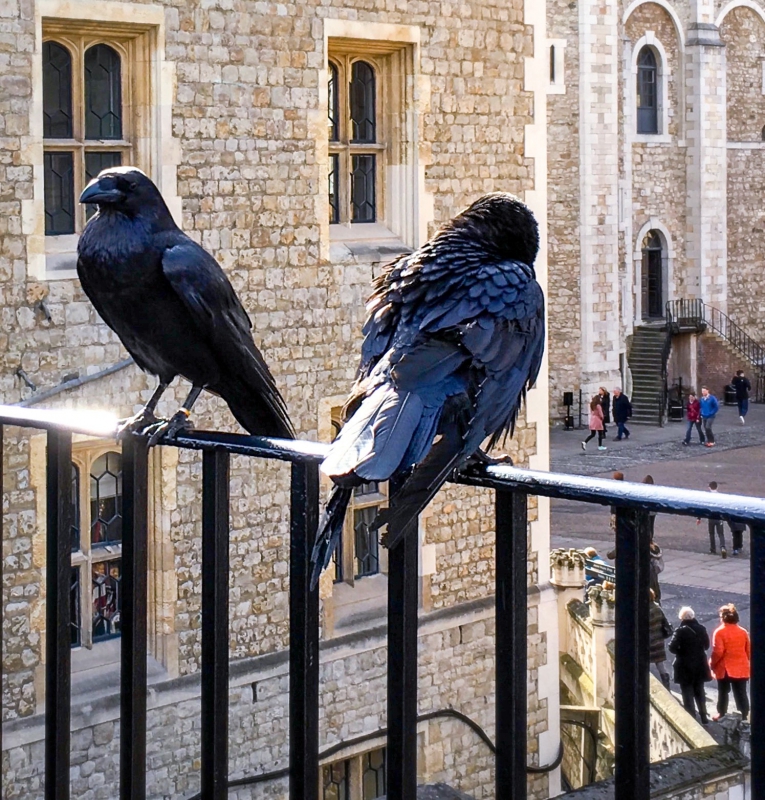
<point>605,404</point>
<point>659,630</point>
<point>742,386</point>
<point>651,514</point>
<point>621,411</point>
<point>693,414</point>
<point>655,566</point>
<point>737,530</point>
<point>730,662</point>
<point>595,424</point>
<point>716,529</point>
<point>709,408</point>
<point>689,644</point>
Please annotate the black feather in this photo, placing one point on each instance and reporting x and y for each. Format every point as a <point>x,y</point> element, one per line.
<point>170,302</point>
<point>458,326</point>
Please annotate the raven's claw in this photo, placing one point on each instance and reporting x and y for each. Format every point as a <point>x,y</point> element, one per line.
<point>482,459</point>
<point>168,428</point>
<point>138,423</point>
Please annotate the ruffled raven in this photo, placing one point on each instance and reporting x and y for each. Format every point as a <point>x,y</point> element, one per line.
<point>172,306</point>
<point>454,335</point>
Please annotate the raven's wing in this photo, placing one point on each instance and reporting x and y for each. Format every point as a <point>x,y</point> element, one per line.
<point>249,388</point>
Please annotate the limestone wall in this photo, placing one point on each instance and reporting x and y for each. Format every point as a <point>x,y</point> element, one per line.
<point>241,154</point>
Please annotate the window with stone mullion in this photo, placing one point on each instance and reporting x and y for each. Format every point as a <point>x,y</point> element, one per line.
<point>84,127</point>
<point>355,149</point>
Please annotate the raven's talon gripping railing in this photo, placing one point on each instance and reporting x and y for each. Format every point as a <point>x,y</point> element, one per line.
<point>511,485</point>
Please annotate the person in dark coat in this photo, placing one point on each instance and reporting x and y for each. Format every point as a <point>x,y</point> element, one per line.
<point>605,404</point>
<point>689,644</point>
<point>659,630</point>
<point>621,410</point>
<point>737,530</point>
<point>742,386</point>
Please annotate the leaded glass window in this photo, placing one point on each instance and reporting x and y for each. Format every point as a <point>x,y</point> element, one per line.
<point>57,91</point>
<point>336,781</point>
<point>647,92</point>
<point>356,151</point>
<point>84,124</point>
<point>367,542</point>
<point>58,176</point>
<point>373,774</point>
<point>107,599</point>
<point>106,500</point>
<point>363,104</point>
<point>96,543</point>
<point>103,93</point>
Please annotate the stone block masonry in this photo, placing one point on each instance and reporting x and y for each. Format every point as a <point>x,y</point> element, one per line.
<point>243,90</point>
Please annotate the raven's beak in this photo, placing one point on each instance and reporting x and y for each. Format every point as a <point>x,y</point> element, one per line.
<point>96,192</point>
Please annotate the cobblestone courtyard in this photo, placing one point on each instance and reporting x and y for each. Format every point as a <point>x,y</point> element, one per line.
<point>691,576</point>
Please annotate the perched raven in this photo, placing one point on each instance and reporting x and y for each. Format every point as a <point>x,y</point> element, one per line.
<point>455,333</point>
<point>172,306</point>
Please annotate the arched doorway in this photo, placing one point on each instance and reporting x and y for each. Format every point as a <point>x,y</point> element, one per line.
<point>652,277</point>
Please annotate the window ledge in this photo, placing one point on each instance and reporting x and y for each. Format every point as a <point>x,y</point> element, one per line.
<point>61,256</point>
<point>652,138</point>
<point>359,606</point>
<point>364,243</point>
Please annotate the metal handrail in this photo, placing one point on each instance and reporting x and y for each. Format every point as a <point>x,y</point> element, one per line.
<point>512,485</point>
<point>695,313</point>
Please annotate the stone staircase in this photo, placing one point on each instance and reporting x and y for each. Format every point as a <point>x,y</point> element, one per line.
<point>645,363</point>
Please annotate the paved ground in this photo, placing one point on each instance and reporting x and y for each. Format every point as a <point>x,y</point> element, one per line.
<point>692,576</point>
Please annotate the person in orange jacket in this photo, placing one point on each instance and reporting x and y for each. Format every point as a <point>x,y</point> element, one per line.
<point>731,656</point>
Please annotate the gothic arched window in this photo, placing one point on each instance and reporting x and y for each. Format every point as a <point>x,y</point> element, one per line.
<point>647,92</point>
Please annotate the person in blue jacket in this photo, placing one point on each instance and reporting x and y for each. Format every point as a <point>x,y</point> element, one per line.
<point>709,409</point>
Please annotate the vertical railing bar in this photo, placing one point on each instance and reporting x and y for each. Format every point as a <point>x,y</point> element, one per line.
<point>403,609</point>
<point>631,675</point>
<point>135,489</point>
<point>58,653</point>
<point>215,582</point>
<point>511,644</point>
<point>304,636</point>
<point>757,632</point>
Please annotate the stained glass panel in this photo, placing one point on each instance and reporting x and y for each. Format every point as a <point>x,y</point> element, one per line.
<point>107,599</point>
<point>362,97</point>
<point>57,91</point>
<point>106,500</point>
<point>58,172</point>
<point>363,202</point>
<point>103,93</point>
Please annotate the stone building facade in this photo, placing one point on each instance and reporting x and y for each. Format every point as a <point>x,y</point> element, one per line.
<point>225,104</point>
<point>657,134</point>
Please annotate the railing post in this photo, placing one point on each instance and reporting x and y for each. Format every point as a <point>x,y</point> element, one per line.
<point>304,636</point>
<point>631,676</point>
<point>757,625</point>
<point>58,639</point>
<point>215,578</point>
<point>135,561</point>
<point>511,644</point>
<point>403,607</point>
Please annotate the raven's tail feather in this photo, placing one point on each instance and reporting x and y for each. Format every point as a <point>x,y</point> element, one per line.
<point>330,530</point>
<point>259,410</point>
<point>420,487</point>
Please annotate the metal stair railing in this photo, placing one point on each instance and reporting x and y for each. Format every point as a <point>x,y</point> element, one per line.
<point>698,314</point>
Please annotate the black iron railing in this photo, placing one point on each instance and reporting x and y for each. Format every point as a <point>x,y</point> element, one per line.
<point>699,315</point>
<point>512,487</point>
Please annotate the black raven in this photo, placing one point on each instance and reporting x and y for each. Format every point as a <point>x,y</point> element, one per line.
<point>454,335</point>
<point>172,306</point>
